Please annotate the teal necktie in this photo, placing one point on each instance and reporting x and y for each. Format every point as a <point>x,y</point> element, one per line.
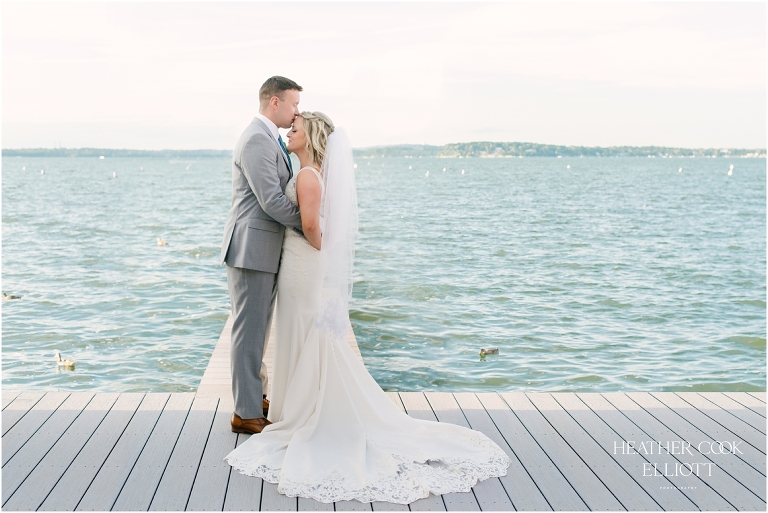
<point>285,150</point>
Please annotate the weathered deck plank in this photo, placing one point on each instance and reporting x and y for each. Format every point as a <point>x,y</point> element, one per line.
<point>8,397</point>
<point>388,506</point>
<point>23,403</point>
<point>581,477</point>
<point>548,479</point>
<point>21,464</point>
<point>243,492</point>
<point>759,395</point>
<point>175,486</point>
<point>725,418</point>
<point>142,482</point>
<point>352,506</point>
<point>611,474</point>
<point>28,424</point>
<point>271,500</point>
<point>666,488</point>
<point>606,438</point>
<point>313,505</point>
<point>210,487</point>
<point>662,424</point>
<point>748,400</point>
<point>736,409</point>
<point>106,486</point>
<point>66,494</point>
<point>695,427</point>
<point>518,485</point>
<point>431,503</point>
<point>705,429</point>
<point>39,483</point>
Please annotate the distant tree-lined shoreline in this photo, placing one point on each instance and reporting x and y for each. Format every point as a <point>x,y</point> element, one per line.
<point>483,149</point>
<point>518,149</point>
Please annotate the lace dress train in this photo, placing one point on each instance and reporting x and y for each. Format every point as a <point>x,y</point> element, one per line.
<point>335,434</point>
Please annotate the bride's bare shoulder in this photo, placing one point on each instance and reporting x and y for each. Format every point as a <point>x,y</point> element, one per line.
<point>308,182</point>
<point>310,170</point>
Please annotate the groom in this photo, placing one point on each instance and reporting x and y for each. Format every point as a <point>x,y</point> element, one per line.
<point>253,240</point>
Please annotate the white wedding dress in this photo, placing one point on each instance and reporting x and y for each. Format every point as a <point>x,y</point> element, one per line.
<point>335,434</point>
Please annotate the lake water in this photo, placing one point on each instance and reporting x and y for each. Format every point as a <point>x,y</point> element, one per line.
<point>613,274</point>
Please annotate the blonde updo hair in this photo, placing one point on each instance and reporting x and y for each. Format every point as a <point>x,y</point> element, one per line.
<point>317,127</point>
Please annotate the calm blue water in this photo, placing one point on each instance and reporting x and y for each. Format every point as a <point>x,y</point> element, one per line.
<point>615,274</point>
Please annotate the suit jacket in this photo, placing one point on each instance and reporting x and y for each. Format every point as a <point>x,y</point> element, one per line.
<point>253,235</point>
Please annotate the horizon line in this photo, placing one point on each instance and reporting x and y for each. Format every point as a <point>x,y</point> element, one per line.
<point>422,145</point>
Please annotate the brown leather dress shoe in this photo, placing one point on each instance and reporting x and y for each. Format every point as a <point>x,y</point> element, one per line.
<point>265,405</point>
<point>252,426</point>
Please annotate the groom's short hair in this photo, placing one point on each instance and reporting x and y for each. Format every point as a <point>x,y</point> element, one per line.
<point>276,86</point>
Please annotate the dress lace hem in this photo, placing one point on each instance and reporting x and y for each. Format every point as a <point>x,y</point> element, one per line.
<point>403,481</point>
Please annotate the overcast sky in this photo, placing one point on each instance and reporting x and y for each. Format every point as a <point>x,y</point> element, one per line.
<point>154,75</point>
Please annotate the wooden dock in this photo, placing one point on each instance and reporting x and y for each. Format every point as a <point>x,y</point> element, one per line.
<point>217,381</point>
<point>158,451</point>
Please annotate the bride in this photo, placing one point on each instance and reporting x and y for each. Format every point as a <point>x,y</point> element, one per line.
<point>334,434</point>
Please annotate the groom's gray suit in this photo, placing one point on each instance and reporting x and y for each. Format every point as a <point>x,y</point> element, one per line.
<point>253,240</point>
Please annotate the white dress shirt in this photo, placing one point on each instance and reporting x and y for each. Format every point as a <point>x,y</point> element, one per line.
<point>272,127</point>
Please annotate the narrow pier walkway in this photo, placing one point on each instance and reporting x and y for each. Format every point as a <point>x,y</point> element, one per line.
<point>217,381</point>
<point>632,451</point>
